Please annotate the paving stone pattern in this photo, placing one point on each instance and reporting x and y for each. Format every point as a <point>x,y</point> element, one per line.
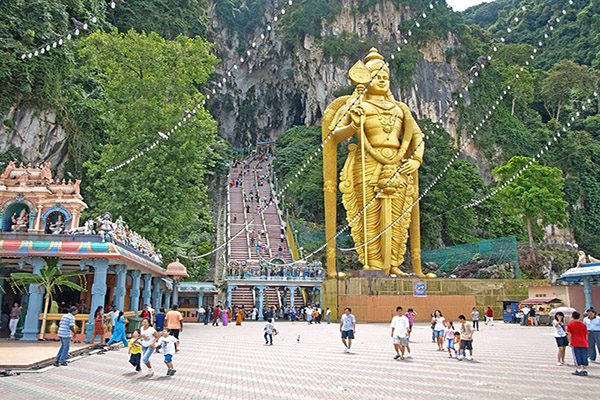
<point>511,362</point>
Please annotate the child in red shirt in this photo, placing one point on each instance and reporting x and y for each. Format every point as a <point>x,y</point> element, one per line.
<point>577,333</point>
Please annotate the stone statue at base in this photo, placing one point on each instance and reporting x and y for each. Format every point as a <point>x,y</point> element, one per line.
<point>381,171</point>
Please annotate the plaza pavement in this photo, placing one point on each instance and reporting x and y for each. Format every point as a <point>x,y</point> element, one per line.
<point>511,362</point>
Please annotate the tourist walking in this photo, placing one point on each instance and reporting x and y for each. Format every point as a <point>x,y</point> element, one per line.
<point>578,338</point>
<point>98,325</point>
<point>475,318</point>
<point>438,329</point>
<point>118,334</point>
<point>225,316</point>
<point>489,316</point>
<point>135,351</point>
<point>113,314</point>
<point>400,331</point>
<point>167,343</point>
<point>66,328</point>
<point>410,314</point>
<point>268,331</point>
<point>148,337</point>
<point>239,316</point>
<point>560,335</point>
<point>207,315</point>
<point>309,314</point>
<point>328,315</point>
<point>525,320</point>
<point>174,321</point>
<point>201,312</point>
<point>159,320</point>
<point>216,316</point>
<point>15,313</point>
<point>592,323</point>
<point>466,339</point>
<point>347,328</point>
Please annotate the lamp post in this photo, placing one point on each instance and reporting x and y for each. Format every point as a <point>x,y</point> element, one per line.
<point>176,271</point>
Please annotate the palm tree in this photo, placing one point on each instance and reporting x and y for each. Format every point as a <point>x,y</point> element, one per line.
<point>52,280</point>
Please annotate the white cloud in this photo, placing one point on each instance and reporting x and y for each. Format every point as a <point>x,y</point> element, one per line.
<point>460,5</point>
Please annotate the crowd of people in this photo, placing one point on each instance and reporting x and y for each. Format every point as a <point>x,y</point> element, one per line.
<point>241,270</point>
<point>220,314</point>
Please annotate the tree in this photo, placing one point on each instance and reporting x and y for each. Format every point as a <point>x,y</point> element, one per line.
<point>565,80</point>
<point>537,195</point>
<point>52,280</point>
<point>147,83</point>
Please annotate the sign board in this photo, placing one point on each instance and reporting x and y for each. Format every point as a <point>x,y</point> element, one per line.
<point>420,289</point>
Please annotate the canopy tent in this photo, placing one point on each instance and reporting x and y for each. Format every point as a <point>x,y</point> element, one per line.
<point>586,273</point>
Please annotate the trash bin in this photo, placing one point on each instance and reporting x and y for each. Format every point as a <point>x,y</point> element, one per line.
<point>133,323</point>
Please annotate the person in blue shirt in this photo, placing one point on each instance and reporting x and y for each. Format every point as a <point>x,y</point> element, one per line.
<point>592,322</point>
<point>159,320</point>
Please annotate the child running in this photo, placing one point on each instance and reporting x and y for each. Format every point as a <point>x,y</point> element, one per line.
<point>167,343</point>
<point>449,336</point>
<point>135,351</point>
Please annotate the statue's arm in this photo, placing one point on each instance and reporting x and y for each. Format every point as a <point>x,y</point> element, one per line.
<point>416,147</point>
<point>342,125</point>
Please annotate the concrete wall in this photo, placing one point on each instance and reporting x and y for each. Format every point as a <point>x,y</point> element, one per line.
<point>374,299</point>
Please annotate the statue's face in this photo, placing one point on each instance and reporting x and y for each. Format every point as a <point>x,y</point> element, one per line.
<point>380,84</point>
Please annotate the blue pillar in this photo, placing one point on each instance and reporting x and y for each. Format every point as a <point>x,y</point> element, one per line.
<point>36,300</point>
<point>261,293</point>
<point>134,292</point>
<point>100,266</point>
<point>200,300</point>
<point>587,292</point>
<point>156,293</point>
<point>292,294</point>
<point>120,287</point>
<point>167,300</point>
<point>230,289</point>
<point>147,289</point>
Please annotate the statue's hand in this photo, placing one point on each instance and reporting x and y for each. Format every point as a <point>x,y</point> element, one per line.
<point>355,113</point>
<point>409,167</point>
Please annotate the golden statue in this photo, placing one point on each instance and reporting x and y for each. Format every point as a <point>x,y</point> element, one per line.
<point>386,159</point>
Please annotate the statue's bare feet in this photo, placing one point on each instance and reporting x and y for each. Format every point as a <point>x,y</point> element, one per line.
<point>341,274</point>
<point>397,271</point>
<point>429,275</point>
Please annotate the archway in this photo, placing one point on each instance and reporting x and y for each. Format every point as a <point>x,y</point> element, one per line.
<point>13,209</point>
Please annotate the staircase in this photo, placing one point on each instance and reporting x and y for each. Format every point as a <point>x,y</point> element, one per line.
<point>242,296</point>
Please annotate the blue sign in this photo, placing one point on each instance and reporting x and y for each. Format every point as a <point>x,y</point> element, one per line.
<point>420,289</point>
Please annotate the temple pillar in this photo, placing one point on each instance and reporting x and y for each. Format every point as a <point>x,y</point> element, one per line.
<point>587,292</point>
<point>146,294</point>
<point>230,289</point>
<point>167,300</point>
<point>292,294</point>
<point>200,300</point>
<point>175,291</point>
<point>134,292</point>
<point>156,293</point>
<point>100,266</point>
<point>36,300</point>
<point>2,291</point>
<point>120,286</point>
<point>261,293</point>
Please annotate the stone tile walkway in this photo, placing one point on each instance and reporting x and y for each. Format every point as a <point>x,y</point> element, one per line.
<point>511,362</point>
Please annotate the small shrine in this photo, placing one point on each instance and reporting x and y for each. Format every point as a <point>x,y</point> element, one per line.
<point>31,200</point>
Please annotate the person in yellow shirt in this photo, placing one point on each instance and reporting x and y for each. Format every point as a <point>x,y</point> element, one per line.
<point>135,351</point>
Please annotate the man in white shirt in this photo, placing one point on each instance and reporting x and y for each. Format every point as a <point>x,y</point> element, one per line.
<point>525,310</point>
<point>113,314</point>
<point>400,331</point>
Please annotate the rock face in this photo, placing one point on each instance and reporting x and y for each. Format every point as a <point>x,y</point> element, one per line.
<point>277,86</point>
<point>36,133</point>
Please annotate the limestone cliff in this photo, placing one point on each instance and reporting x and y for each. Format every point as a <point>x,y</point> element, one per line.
<point>37,134</point>
<point>279,85</point>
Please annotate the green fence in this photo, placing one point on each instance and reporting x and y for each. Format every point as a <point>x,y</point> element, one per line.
<point>501,250</point>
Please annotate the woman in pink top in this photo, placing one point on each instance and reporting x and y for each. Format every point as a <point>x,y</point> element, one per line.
<point>410,314</point>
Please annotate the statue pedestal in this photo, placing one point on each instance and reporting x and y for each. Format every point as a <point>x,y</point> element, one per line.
<point>364,273</point>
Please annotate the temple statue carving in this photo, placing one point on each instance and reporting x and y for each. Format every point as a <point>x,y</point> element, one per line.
<point>381,171</point>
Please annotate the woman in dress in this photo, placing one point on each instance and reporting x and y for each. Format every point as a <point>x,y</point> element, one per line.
<point>98,325</point>
<point>118,334</point>
<point>225,316</point>
<point>560,335</point>
<point>239,316</point>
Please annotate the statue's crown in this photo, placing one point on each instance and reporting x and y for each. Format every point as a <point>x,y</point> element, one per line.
<point>373,55</point>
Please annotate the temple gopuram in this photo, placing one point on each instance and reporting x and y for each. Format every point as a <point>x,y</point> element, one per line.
<point>40,219</point>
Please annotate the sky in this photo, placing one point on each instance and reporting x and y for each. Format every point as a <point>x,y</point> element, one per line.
<point>460,5</point>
